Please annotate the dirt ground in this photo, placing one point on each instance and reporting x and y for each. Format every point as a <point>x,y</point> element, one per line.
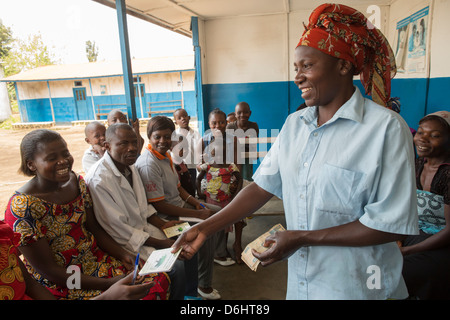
<point>10,179</point>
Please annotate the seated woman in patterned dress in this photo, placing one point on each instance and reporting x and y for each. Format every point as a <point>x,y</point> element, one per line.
<point>427,255</point>
<point>54,215</point>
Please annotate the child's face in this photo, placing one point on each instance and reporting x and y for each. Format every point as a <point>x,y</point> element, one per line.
<point>96,136</point>
<point>217,123</point>
<point>182,119</point>
<point>117,117</point>
<point>432,139</point>
<point>242,113</point>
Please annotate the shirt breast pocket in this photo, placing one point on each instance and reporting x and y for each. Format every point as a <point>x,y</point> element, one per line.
<point>340,191</point>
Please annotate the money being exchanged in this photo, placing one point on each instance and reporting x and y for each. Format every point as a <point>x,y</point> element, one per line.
<point>250,260</point>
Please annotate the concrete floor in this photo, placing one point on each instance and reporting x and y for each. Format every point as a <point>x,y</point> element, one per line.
<point>238,282</point>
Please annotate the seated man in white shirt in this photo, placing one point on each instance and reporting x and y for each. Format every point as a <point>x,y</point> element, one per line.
<point>121,204</point>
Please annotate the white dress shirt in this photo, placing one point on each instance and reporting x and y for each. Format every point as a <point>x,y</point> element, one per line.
<point>120,209</point>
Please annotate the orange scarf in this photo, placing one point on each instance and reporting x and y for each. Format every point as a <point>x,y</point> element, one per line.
<point>160,156</point>
<point>345,33</point>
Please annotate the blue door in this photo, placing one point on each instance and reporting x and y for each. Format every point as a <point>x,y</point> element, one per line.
<point>81,105</point>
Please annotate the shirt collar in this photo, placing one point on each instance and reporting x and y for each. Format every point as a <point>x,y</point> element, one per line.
<point>111,164</point>
<point>159,155</point>
<point>351,110</point>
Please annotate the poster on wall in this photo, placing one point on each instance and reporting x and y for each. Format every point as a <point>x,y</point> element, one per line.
<point>411,53</point>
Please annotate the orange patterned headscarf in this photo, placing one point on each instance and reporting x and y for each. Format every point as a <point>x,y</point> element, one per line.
<point>345,33</point>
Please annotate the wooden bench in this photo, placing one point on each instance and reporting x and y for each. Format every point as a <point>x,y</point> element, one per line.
<point>161,107</point>
<point>274,206</point>
<point>105,109</point>
<point>260,153</point>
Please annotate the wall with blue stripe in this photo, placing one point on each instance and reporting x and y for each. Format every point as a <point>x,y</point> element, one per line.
<point>272,102</point>
<point>39,110</point>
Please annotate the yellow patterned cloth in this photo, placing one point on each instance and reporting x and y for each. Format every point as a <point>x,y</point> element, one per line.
<point>64,228</point>
<point>12,284</point>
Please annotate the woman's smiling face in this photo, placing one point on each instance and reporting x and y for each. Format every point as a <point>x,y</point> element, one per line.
<point>161,140</point>
<point>317,76</point>
<point>52,161</point>
<point>431,139</point>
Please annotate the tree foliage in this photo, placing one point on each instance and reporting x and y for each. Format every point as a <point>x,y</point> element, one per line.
<point>91,51</point>
<point>27,54</point>
<point>6,40</point>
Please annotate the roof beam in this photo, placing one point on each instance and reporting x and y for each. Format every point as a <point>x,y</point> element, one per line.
<point>148,18</point>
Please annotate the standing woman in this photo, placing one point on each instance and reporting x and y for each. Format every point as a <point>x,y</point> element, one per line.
<point>59,234</point>
<point>427,255</point>
<point>344,167</point>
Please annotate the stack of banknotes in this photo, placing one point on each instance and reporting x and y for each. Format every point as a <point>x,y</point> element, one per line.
<point>258,245</point>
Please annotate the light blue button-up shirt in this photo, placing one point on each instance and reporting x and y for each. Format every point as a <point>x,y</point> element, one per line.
<point>357,166</point>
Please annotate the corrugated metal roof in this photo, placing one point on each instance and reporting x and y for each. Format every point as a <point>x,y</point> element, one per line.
<point>104,69</point>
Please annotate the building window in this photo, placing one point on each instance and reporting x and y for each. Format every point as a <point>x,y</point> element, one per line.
<point>78,83</point>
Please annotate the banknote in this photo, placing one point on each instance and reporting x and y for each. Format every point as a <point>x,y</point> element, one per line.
<point>176,229</point>
<point>258,245</point>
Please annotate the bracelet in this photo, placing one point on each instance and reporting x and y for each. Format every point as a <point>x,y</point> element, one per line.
<point>188,198</point>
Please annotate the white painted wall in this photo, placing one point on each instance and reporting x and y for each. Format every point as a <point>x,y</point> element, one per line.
<point>246,49</point>
<point>160,82</point>
<point>257,48</point>
<point>440,44</point>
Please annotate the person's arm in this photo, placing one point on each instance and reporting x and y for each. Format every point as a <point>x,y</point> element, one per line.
<point>436,241</point>
<point>164,207</point>
<point>238,159</point>
<point>106,242</point>
<point>285,243</point>
<point>136,129</point>
<point>198,183</point>
<point>244,204</point>
<point>40,256</point>
<point>125,290</point>
<point>235,190</point>
<point>33,289</point>
<point>186,196</point>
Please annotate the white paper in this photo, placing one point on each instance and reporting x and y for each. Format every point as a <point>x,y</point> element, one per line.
<point>159,261</point>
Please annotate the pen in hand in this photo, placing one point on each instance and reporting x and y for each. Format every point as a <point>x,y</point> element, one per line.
<point>136,265</point>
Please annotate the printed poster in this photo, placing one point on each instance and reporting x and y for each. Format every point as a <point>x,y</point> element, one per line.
<point>411,52</point>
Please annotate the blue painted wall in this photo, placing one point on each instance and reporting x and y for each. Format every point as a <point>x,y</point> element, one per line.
<point>438,95</point>
<point>39,110</point>
<point>268,101</point>
<point>271,102</point>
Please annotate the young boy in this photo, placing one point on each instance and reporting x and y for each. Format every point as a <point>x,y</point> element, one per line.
<point>95,136</point>
<point>250,129</point>
<point>182,119</point>
<point>116,116</point>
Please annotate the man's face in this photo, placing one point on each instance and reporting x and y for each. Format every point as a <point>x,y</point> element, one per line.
<point>123,148</point>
